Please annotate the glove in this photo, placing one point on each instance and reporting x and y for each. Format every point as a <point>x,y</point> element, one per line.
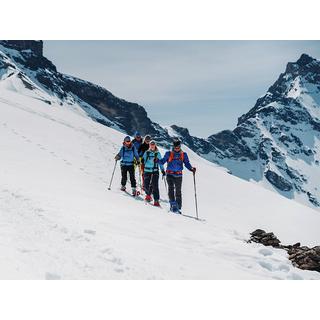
<point>194,170</point>
<point>117,157</point>
<point>163,173</point>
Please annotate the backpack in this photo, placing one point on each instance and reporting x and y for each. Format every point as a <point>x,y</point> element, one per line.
<point>155,166</point>
<point>171,157</point>
<point>127,150</point>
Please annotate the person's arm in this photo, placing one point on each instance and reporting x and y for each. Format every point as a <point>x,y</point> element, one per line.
<point>118,155</point>
<point>144,158</point>
<point>163,160</point>
<point>187,162</point>
<point>160,164</point>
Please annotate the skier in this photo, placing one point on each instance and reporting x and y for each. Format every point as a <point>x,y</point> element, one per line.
<point>143,148</point>
<point>137,141</point>
<point>176,159</point>
<point>127,154</point>
<point>151,173</point>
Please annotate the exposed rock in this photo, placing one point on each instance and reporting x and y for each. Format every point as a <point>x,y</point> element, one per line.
<point>301,257</point>
<point>278,181</point>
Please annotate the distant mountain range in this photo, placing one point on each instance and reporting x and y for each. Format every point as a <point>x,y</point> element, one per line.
<point>276,144</point>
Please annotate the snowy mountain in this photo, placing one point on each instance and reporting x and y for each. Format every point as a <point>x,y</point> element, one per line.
<point>59,221</point>
<point>25,60</point>
<point>277,143</point>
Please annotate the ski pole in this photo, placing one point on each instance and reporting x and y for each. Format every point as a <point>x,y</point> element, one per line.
<point>140,185</point>
<point>114,169</point>
<point>165,183</point>
<point>195,194</point>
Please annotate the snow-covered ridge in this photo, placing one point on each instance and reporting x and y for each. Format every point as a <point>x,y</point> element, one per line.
<point>276,144</point>
<point>59,221</point>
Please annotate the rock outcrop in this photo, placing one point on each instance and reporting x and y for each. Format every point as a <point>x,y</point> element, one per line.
<point>301,257</point>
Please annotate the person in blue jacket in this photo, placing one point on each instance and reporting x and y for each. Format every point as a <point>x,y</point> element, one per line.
<point>151,159</point>
<point>127,154</point>
<point>176,159</point>
<point>137,141</point>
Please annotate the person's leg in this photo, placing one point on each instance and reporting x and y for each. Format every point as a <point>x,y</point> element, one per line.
<point>170,181</point>
<point>147,187</point>
<point>132,177</point>
<point>178,186</point>
<point>155,186</point>
<point>124,174</point>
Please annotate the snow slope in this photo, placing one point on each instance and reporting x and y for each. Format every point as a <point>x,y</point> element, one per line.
<point>59,221</point>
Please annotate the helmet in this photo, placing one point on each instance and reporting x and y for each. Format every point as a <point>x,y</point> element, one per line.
<point>137,134</point>
<point>147,137</point>
<point>176,143</point>
<point>127,139</point>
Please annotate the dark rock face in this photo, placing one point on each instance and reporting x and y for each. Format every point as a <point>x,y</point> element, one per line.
<point>278,181</point>
<point>301,257</point>
<point>35,46</point>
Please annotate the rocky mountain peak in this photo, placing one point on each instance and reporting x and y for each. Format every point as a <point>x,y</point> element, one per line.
<point>303,65</point>
<point>36,46</point>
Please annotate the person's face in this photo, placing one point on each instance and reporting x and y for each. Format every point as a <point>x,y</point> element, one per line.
<point>127,143</point>
<point>177,148</point>
<point>152,146</point>
<point>138,138</point>
<point>147,141</point>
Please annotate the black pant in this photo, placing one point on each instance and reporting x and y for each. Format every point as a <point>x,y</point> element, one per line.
<point>124,175</point>
<point>151,184</point>
<point>174,189</point>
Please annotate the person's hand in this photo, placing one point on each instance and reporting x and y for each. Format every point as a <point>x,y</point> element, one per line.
<point>163,173</point>
<point>194,170</point>
<point>156,160</point>
<point>117,157</point>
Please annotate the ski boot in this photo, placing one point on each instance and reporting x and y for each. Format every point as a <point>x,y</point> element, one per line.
<point>123,188</point>
<point>156,204</point>
<point>174,207</point>
<point>135,193</point>
<point>148,198</point>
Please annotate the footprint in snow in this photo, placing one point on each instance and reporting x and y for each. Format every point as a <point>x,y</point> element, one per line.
<point>92,232</point>
<point>52,276</point>
<point>266,265</point>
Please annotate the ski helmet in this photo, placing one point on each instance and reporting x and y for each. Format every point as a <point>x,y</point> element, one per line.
<point>176,143</point>
<point>147,138</point>
<point>127,139</point>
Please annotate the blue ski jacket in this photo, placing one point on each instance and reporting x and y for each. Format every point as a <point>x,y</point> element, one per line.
<point>175,161</point>
<point>150,165</point>
<point>127,155</point>
<point>137,143</point>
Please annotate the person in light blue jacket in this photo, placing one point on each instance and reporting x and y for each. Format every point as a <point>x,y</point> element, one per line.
<point>127,154</point>
<point>151,159</point>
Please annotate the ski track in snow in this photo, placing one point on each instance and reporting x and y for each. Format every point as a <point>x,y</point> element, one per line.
<point>59,221</point>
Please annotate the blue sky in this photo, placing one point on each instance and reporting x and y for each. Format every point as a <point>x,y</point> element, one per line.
<point>202,85</point>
